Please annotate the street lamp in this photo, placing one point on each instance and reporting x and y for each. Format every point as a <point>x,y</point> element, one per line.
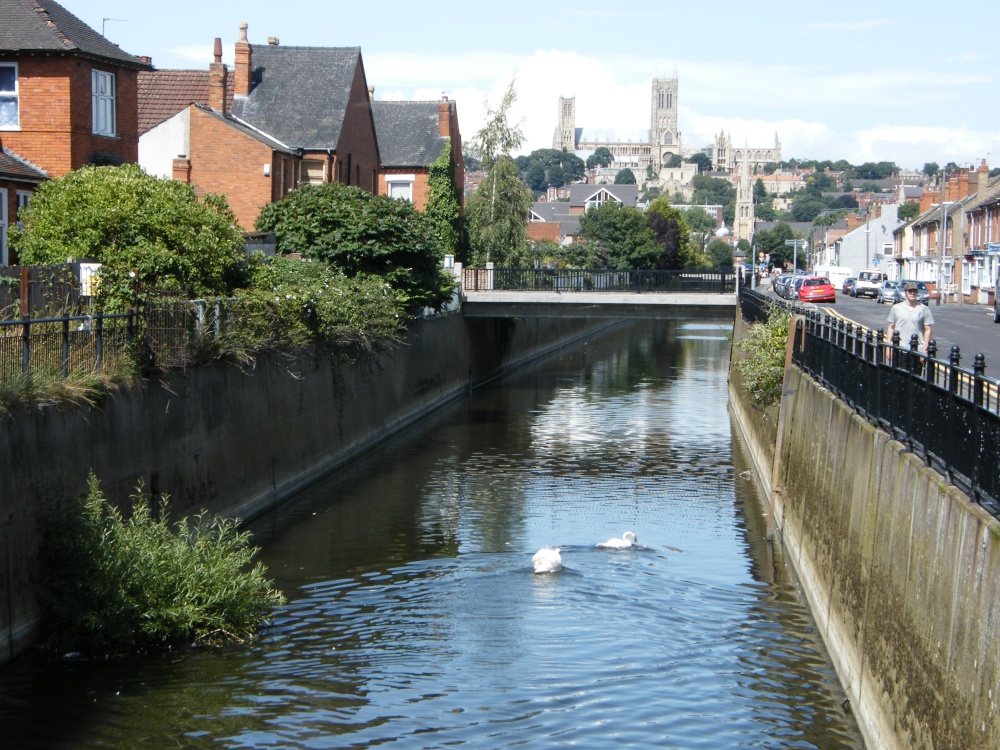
<point>795,255</point>
<point>941,247</point>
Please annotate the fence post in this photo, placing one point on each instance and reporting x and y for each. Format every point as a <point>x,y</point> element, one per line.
<point>953,359</point>
<point>978,386</point>
<point>25,343</point>
<point>99,343</point>
<point>64,365</point>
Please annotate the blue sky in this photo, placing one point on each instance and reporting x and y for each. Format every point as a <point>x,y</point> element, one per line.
<point>906,82</point>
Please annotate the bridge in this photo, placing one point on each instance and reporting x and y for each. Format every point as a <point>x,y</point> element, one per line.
<point>547,292</point>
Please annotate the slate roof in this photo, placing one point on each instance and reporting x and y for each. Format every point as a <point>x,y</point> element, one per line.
<point>43,26</point>
<point>579,193</point>
<point>558,212</point>
<point>246,130</point>
<point>164,93</point>
<point>299,95</point>
<point>407,133</point>
<point>13,167</point>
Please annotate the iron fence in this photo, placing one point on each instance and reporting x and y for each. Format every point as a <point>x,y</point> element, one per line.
<point>947,414</point>
<point>598,280</point>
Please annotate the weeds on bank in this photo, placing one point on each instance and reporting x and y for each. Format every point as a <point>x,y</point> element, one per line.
<point>42,389</point>
<point>763,363</point>
<point>116,584</point>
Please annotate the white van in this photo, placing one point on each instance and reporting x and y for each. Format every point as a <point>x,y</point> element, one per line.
<point>836,274</point>
<point>868,283</point>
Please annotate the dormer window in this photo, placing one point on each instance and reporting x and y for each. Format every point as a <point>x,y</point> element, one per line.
<point>103,97</point>
<point>9,118</point>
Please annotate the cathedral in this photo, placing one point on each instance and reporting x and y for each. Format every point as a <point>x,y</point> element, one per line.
<point>646,148</point>
<point>725,158</point>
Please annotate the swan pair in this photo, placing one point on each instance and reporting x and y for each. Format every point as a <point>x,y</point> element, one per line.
<point>623,543</point>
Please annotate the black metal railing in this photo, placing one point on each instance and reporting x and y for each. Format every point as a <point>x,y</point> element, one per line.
<point>598,280</point>
<point>945,413</point>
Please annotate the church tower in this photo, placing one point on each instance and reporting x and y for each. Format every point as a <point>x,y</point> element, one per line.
<point>663,135</point>
<point>565,135</point>
<point>744,204</point>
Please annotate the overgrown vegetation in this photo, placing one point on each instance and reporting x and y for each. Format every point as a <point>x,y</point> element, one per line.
<point>112,584</point>
<point>763,363</point>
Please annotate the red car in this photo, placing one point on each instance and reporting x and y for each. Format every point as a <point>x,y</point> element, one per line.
<point>817,289</point>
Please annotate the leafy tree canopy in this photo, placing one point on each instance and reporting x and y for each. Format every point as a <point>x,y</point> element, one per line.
<point>772,242</point>
<point>759,191</point>
<point>361,234</point>
<point>720,253</point>
<point>443,209</point>
<point>882,170</point>
<point>625,177</point>
<point>703,161</point>
<point>557,168</point>
<point>931,168</point>
<point>699,220</point>
<point>908,211</point>
<point>146,231</point>
<point>602,157</point>
<point>671,247</point>
<point>497,218</point>
<point>712,191</point>
<point>808,209</point>
<point>674,161</point>
<point>618,233</point>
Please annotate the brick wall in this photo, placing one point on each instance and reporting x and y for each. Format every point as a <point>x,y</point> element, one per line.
<point>357,148</point>
<point>223,160</point>
<point>544,230</point>
<point>56,114</point>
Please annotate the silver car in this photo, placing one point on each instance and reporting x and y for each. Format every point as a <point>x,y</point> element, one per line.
<point>887,292</point>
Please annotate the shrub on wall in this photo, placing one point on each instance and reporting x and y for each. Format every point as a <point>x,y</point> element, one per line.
<point>362,235</point>
<point>763,362</point>
<point>116,584</point>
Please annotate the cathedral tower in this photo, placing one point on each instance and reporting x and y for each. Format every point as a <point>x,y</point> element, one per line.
<point>744,205</point>
<point>565,135</point>
<point>663,134</point>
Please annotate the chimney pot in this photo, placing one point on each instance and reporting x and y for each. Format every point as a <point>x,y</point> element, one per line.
<point>273,41</point>
<point>218,49</point>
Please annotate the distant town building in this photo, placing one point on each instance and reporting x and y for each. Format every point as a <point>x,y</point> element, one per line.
<point>725,158</point>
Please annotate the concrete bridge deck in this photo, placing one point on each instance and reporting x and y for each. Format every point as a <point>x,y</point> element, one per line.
<point>657,305</point>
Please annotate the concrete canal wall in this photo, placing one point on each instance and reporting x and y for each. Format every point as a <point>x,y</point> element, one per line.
<point>238,443</point>
<point>900,568</point>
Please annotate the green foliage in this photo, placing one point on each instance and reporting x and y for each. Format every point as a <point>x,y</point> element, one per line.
<point>763,362</point>
<point>882,170</point>
<point>772,242</point>
<point>908,211</point>
<point>601,157</point>
<point>146,231</point>
<point>704,161</point>
<point>699,220</point>
<point>712,191</point>
<point>931,168</point>
<point>674,161</point>
<point>442,209</point>
<point>292,305</point>
<point>497,218</point>
<point>360,235</point>
<point>670,248</point>
<point>721,254</point>
<point>618,235</point>
<point>625,177</point>
<point>759,191</point>
<point>498,137</point>
<point>132,584</point>
<point>807,209</point>
<point>548,167</point>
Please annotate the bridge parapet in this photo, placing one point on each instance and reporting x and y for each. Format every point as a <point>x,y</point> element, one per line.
<point>714,281</point>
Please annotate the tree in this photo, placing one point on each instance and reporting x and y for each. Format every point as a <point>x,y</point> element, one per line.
<point>712,191</point>
<point>144,230</point>
<point>702,160</point>
<point>557,168</point>
<point>497,218</point>
<point>625,177</point>
<point>700,221</point>
<point>759,191</point>
<point>772,242</point>
<point>808,209</point>
<point>908,211</point>
<point>674,161</point>
<point>619,233</point>
<point>497,213</point>
<point>670,248</point>
<point>536,178</point>
<point>931,168</point>
<point>557,176</point>
<point>721,254</point>
<point>600,158</point>
<point>362,235</point>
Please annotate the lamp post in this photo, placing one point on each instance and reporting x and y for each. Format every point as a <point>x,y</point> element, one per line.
<point>795,255</point>
<point>738,259</point>
<point>941,248</point>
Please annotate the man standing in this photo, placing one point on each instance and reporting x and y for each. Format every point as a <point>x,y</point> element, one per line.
<point>910,317</point>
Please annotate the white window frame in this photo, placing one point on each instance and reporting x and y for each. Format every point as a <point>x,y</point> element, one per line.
<point>401,183</point>
<point>3,227</point>
<point>103,88</point>
<point>23,199</point>
<point>15,95</point>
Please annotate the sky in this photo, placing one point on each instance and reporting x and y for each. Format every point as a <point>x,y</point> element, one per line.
<point>910,83</point>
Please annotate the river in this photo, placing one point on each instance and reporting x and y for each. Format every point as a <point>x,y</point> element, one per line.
<point>415,620</point>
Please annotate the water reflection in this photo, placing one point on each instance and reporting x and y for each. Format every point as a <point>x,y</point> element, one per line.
<point>414,619</point>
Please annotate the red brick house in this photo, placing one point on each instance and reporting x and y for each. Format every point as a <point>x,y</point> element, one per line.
<point>67,98</point>
<point>411,136</point>
<point>285,116</point>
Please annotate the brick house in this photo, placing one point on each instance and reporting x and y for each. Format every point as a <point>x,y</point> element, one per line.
<point>18,180</point>
<point>286,116</point>
<point>411,136</point>
<point>67,98</point>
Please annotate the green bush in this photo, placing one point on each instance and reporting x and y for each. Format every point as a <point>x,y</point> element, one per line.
<point>116,584</point>
<point>763,362</point>
<point>363,235</point>
<point>146,232</point>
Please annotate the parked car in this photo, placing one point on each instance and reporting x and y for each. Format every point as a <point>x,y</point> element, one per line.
<point>887,292</point>
<point>780,284</point>
<point>868,282</point>
<point>817,289</point>
<point>923,293</point>
<point>848,287</point>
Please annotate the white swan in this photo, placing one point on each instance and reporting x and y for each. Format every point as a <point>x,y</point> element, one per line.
<point>547,560</point>
<point>622,543</point>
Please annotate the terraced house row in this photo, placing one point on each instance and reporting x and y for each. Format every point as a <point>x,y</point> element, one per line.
<point>283,117</point>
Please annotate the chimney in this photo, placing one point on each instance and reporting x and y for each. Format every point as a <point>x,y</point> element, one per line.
<point>444,116</point>
<point>182,169</point>
<point>371,93</point>
<point>929,199</point>
<point>982,176</point>
<point>963,184</point>
<point>273,41</point>
<point>853,222</point>
<point>244,63</point>
<point>146,59</point>
<point>217,80</point>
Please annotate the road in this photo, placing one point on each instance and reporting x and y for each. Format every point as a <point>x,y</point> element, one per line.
<point>971,327</point>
